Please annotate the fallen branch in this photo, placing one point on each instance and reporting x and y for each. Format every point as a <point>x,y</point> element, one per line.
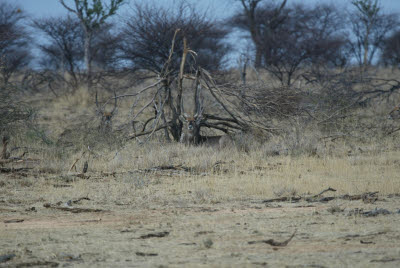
<point>324,191</point>
<point>14,221</point>
<point>292,199</point>
<point>80,175</point>
<point>80,199</point>
<point>158,168</point>
<point>151,235</point>
<point>149,132</point>
<point>38,264</point>
<point>274,243</point>
<point>17,160</point>
<point>72,209</point>
<point>393,131</point>
<point>369,197</point>
<point>143,254</point>
<point>12,170</point>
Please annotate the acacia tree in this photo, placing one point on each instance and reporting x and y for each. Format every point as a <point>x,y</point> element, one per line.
<point>391,50</point>
<point>14,41</point>
<point>299,36</point>
<point>165,95</point>
<point>92,17</point>
<point>249,20</point>
<point>148,33</point>
<point>149,30</point>
<point>370,27</point>
<point>63,49</point>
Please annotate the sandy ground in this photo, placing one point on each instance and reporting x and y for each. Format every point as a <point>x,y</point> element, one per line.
<point>190,234</point>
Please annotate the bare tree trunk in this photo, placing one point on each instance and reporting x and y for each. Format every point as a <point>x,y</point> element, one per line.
<point>366,46</point>
<point>4,154</point>
<point>250,7</point>
<point>243,72</point>
<point>88,61</point>
<point>258,59</point>
<point>163,98</point>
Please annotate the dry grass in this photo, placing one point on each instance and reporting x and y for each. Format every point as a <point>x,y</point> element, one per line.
<point>211,203</point>
<point>299,161</point>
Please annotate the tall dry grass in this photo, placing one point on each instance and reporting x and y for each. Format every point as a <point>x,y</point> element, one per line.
<point>354,155</point>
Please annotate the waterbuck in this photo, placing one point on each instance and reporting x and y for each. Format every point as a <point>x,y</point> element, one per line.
<point>191,134</point>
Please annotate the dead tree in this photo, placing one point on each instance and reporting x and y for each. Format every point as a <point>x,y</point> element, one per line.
<point>166,96</point>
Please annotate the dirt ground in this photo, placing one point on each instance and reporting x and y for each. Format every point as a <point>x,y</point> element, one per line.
<point>42,229</point>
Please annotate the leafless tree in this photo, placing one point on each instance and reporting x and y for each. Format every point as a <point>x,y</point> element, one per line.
<point>14,41</point>
<point>91,18</point>
<point>64,51</point>
<point>149,30</point>
<point>298,36</point>
<point>391,50</point>
<point>370,26</point>
<point>172,89</point>
<point>250,19</point>
<point>12,111</point>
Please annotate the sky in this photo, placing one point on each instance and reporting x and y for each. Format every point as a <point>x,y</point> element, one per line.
<point>216,8</point>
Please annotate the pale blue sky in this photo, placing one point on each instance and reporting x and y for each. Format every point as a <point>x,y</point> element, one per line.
<point>216,8</point>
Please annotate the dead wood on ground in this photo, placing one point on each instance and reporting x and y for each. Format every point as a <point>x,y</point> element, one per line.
<point>72,209</point>
<point>14,221</point>
<point>274,243</point>
<point>167,168</point>
<point>13,170</point>
<point>368,197</point>
<point>151,235</point>
<point>138,253</point>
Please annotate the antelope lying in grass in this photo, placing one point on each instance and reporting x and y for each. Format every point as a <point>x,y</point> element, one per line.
<point>191,134</point>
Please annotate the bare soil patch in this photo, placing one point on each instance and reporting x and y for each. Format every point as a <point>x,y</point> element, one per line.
<point>178,231</point>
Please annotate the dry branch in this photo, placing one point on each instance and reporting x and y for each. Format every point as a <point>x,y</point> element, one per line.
<point>152,235</point>
<point>12,170</point>
<point>14,221</point>
<point>368,197</point>
<point>274,243</point>
<point>4,153</point>
<point>293,199</point>
<point>148,132</point>
<point>171,85</point>
<point>329,189</point>
<point>210,85</point>
<point>133,94</point>
<point>72,209</point>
